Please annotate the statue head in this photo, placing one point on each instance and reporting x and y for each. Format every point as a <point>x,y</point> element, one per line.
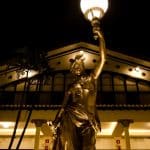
<point>77,65</point>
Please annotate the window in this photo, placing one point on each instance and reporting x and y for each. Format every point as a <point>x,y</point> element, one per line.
<point>106,82</point>
<point>119,84</point>
<point>58,82</point>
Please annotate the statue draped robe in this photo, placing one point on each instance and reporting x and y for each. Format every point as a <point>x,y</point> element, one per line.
<point>78,122</point>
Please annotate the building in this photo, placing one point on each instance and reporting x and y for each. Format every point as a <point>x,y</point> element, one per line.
<point>30,98</point>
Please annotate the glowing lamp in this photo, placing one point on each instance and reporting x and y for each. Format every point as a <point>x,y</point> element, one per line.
<point>94,8</point>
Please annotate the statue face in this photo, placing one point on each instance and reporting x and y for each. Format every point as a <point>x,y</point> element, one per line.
<point>77,66</point>
<point>78,90</point>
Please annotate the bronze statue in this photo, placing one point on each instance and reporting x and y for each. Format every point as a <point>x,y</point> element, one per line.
<point>77,121</point>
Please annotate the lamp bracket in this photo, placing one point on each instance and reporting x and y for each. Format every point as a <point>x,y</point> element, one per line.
<point>96,27</point>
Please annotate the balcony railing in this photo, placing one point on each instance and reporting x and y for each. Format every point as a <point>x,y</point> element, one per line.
<point>113,90</point>
<point>55,98</point>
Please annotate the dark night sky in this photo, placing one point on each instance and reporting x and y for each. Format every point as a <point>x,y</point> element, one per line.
<point>41,26</point>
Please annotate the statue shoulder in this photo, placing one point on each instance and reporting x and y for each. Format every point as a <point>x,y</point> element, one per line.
<point>88,80</point>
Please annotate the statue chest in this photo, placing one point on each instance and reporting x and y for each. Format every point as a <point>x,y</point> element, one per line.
<point>85,85</point>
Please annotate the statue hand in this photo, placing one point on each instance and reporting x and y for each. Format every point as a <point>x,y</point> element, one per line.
<point>98,127</point>
<point>52,129</point>
<point>56,122</point>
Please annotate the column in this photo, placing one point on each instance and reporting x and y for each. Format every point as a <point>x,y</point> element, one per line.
<point>125,123</point>
<point>38,124</point>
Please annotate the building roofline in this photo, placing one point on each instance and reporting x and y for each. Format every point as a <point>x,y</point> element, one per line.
<point>96,49</point>
<point>55,107</point>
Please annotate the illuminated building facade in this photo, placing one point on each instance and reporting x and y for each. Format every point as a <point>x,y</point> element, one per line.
<point>29,99</point>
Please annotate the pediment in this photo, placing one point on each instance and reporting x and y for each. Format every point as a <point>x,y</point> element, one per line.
<point>59,59</point>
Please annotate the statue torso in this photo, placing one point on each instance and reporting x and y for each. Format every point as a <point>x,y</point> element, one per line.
<point>83,91</point>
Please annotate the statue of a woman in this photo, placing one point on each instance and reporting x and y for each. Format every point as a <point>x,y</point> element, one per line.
<point>78,120</point>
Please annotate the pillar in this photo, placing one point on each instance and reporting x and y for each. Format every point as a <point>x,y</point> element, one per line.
<point>38,124</point>
<point>125,123</point>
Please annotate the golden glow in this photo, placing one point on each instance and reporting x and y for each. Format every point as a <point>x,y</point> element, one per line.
<point>138,132</point>
<point>148,124</point>
<point>32,73</point>
<point>94,8</point>
<point>137,69</point>
<point>18,132</point>
<point>27,73</point>
<point>30,131</point>
<point>7,124</point>
<point>81,52</point>
<point>7,128</point>
<point>107,130</point>
<point>137,72</point>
